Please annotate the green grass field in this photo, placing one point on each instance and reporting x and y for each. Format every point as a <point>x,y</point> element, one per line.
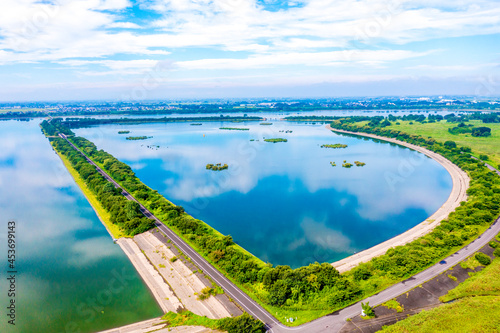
<point>471,314</point>
<point>485,282</point>
<point>489,145</point>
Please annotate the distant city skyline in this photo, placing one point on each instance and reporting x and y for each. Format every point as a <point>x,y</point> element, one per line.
<point>121,50</point>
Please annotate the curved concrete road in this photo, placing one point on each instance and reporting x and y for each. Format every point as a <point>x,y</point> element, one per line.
<point>329,323</point>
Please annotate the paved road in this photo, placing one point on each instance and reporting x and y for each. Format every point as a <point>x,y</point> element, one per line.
<point>329,323</point>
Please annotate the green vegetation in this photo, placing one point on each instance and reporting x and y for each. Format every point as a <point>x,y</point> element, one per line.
<point>470,263</point>
<point>475,314</point>
<point>368,310</point>
<point>235,128</point>
<point>485,282</point>
<point>334,146</point>
<point>206,293</point>
<point>439,131</point>
<point>481,131</point>
<point>493,244</point>
<point>217,167</point>
<point>482,258</point>
<point>244,323</point>
<point>393,304</point>
<point>359,164</point>
<point>196,124</point>
<point>333,164</point>
<point>123,132</point>
<point>138,137</point>
<point>276,140</point>
<point>347,165</point>
<point>265,124</point>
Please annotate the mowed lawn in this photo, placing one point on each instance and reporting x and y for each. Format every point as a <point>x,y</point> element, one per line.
<point>489,145</point>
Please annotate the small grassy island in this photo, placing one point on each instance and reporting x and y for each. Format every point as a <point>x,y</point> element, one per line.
<point>335,146</point>
<point>123,132</point>
<point>276,140</point>
<point>196,124</point>
<point>235,128</point>
<point>333,164</point>
<point>265,124</point>
<point>217,167</point>
<point>348,165</point>
<point>138,137</point>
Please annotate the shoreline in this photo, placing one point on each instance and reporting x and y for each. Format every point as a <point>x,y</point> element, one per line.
<point>458,194</point>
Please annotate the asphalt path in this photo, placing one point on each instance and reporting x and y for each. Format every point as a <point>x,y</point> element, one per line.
<point>329,323</point>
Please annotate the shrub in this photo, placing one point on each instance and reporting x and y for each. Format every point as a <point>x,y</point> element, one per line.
<point>368,310</point>
<point>496,253</point>
<point>450,144</point>
<point>483,258</point>
<point>483,157</point>
<point>481,131</point>
<point>493,244</point>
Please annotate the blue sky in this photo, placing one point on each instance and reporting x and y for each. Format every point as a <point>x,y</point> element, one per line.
<point>151,49</point>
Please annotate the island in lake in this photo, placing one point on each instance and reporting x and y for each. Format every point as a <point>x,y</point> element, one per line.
<point>235,128</point>
<point>123,132</point>
<point>335,146</point>
<point>276,140</point>
<point>138,137</point>
<point>217,167</point>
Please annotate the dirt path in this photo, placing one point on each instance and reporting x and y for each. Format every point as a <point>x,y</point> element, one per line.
<point>458,194</point>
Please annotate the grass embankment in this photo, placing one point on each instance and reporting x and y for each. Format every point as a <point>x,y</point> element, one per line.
<point>103,215</point>
<point>477,308</point>
<point>439,131</point>
<point>474,314</point>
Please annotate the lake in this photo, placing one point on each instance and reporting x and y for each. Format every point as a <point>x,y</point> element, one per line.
<point>284,202</point>
<point>71,277</point>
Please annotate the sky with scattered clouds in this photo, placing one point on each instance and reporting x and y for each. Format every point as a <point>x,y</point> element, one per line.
<point>167,49</point>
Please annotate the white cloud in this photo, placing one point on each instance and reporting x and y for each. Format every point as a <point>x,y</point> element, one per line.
<point>308,59</point>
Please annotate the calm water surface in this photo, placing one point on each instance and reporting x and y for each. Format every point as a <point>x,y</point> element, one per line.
<point>71,277</point>
<point>284,202</point>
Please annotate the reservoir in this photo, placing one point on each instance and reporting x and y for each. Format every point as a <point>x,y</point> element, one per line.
<point>71,277</point>
<point>284,202</point>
